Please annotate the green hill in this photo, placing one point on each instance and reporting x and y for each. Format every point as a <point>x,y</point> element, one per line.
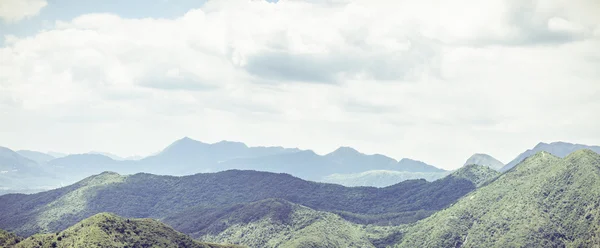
<point>8,239</point>
<point>545,201</point>
<point>152,196</point>
<point>477,174</point>
<point>270,223</point>
<point>108,230</point>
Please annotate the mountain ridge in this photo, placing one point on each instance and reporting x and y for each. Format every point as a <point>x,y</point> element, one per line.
<point>110,230</point>
<point>486,160</point>
<point>145,195</point>
<point>558,148</point>
<point>545,201</point>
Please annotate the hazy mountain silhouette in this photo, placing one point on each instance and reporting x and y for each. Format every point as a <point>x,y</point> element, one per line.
<point>486,160</point>
<point>410,165</point>
<point>38,157</point>
<point>559,149</point>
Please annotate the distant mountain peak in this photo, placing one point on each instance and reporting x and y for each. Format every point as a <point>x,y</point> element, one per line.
<point>110,155</point>
<point>485,160</point>
<point>233,144</point>
<point>540,145</point>
<point>583,152</point>
<point>559,148</point>
<point>109,173</point>
<point>407,164</point>
<point>345,150</point>
<point>187,139</point>
<point>184,142</point>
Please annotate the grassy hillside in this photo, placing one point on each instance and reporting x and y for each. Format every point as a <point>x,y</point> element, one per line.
<point>8,239</point>
<point>545,201</point>
<point>270,223</point>
<point>146,195</point>
<point>108,230</point>
<point>477,174</point>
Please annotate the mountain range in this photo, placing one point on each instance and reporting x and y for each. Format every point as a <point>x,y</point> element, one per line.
<point>544,201</point>
<point>39,171</point>
<point>559,149</point>
<point>187,156</point>
<point>152,196</point>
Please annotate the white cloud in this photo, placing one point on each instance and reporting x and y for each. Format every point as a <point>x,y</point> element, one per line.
<point>432,80</point>
<point>16,10</point>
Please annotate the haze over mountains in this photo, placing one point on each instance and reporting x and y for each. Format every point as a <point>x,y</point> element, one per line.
<point>545,201</point>
<point>146,195</point>
<point>486,160</point>
<point>559,149</point>
<point>243,207</point>
<point>187,156</point>
<point>31,171</point>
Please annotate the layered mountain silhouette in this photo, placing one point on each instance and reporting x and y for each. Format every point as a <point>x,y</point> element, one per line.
<point>559,149</point>
<point>345,165</point>
<point>20,174</point>
<point>146,195</point>
<point>187,156</point>
<point>355,161</point>
<point>187,151</point>
<point>10,161</point>
<point>410,165</point>
<point>38,157</point>
<point>545,201</point>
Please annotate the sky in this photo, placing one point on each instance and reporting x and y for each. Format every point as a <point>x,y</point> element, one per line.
<point>433,80</point>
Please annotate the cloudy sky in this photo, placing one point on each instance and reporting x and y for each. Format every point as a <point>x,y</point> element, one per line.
<point>433,80</point>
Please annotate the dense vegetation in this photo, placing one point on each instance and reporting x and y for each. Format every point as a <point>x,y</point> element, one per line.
<point>146,195</point>
<point>477,174</point>
<point>545,201</point>
<point>274,223</point>
<point>8,239</point>
<point>108,230</point>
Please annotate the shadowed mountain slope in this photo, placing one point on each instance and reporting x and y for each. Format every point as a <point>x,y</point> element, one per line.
<point>147,195</point>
